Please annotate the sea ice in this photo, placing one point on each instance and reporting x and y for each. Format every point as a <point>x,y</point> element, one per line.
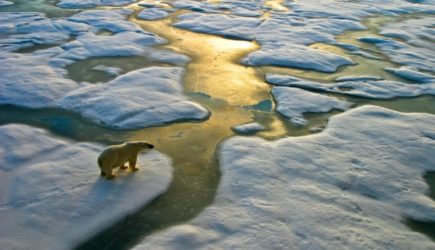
<point>382,89</point>
<point>25,29</point>
<point>411,74</point>
<point>248,128</point>
<point>152,14</point>
<point>296,56</point>
<point>113,71</point>
<point>286,46</point>
<point>5,3</point>
<point>293,103</point>
<point>74,4</point>
<point>141,98</point>
<point>347,187</point>
<point>29,81</point>
<point>403,53</point>
<point>52,195</point>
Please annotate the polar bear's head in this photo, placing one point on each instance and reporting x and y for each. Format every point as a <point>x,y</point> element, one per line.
<point>141,145</point>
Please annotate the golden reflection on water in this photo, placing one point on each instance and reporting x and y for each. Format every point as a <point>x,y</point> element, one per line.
<point>215,79</point>
<point>362,66</point>
<point>276,5</point>
<point>214,68</point>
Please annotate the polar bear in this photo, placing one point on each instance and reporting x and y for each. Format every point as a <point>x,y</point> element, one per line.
<point>117,155</point>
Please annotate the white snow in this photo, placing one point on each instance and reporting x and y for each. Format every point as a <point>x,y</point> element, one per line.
<point>152,14</point>
<point>248,128</point>
<point>141,98</point>
<point>405,53</point>
<point>296,56</point>
<point>114,71</point>
<point>51,194</point>
<point>24,29</point>
<point>382,89</point>
<point>30,82</point>
<point>357,78</point>
<point>293,103</point>
<point>417,32</point>
<point>146,97</point>
<point>5,3</point>
<point>74,4</point>
<point>285,46</point>
<point>411,74</point>
<point>348,187</point>
<point>37,80</point>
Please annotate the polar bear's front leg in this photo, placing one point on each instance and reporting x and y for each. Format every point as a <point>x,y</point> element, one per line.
<point>132,163</point>
<point>110,174</point>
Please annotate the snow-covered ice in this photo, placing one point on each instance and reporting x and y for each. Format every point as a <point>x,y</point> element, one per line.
<point>114,71</point>
<point>293,103</point>
<point>403,53</point>
<point>248,128</point>
<point>411,74</point>
<point>24,29</point>
<point>52,196</point>
<point>382,89</point>
<point>74,4</point>
<point>5,3</point>
<point>286,46</point>
<point>141,98</point>
<point>146,97</point>
<point>38,79</point>
<point>152,14</point>
<point>30,82</point>
<point>348,187</point>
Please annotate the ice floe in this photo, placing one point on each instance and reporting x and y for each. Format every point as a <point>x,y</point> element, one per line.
<point>52,196</point>
<point>403,53</point>
<point>5,3</point>
<point>74,4</point>
<point>284,47</point>
<point>114,71</point>
<point>25,29</point>
<point>382,89</point>
<point>248,128</point>
<point>152,14</point>
<point>29,81</point>
<point>297,56</point>
<point>141,98</point>
<point>411,74</point>
<point>349,186</point>
<point>293,103</point>
<point>146,97</point>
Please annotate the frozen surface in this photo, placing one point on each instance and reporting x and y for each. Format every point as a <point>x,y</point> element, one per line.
<point>74,4</point>
<point>52,196</point>
<point>24,29</point>
<point>114,71</point>
<point>403,53</point>
<point>249,128</point>
<point>347,187</point>
<point>146,97</point>
<point>5,3</point>
<point>141,98</point>
<point>38,79</point>
<point>382,89</point>
<point>411,74</point>
<point>152,14</point>
<point>308,22</point>
<point>30,82</point>
<point>293,102</point>
<point>286,46</point>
